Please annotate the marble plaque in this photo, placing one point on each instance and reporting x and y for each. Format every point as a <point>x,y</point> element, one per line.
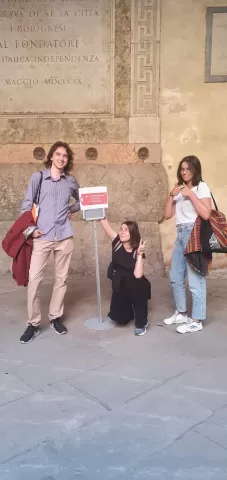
<point>55,56</point>
<point>216,42</point>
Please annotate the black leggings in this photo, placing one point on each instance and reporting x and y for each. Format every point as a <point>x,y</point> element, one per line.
<point>123,309</point>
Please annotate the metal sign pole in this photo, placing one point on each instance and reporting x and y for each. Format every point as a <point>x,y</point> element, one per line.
<point>97,271</point>
<point>97,323</point>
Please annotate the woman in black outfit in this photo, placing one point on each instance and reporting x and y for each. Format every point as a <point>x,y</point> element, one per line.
<point>131,289</point>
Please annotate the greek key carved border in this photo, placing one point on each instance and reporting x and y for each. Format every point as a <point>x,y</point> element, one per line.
<point>145,57</point>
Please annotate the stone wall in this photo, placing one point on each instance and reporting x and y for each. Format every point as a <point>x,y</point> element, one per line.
<point>193,112</point>
<point>130,81</point>
<point>86,72</point>
<point>132,194</point>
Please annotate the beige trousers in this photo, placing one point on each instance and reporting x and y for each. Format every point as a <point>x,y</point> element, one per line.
<point>62,251</point>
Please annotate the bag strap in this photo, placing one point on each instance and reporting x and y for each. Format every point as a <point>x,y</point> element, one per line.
<point>37,197</point>
<point>216,207</point>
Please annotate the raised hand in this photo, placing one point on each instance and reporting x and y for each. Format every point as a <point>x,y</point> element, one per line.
<point>176,190</point>
<point>186,192</point>
<point>141,248</point>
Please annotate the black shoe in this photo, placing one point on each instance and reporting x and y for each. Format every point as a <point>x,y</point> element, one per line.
<point>58,326</point>
<point>29,334</point>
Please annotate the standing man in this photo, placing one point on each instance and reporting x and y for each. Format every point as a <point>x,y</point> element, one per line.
<point>54,233</point>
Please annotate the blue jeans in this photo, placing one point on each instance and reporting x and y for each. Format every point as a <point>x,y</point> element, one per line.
<point>180,268</point>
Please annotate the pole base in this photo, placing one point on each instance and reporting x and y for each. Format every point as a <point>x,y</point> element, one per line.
<point>95,324</point>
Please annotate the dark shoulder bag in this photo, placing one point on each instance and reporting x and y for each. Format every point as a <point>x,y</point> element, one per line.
<point>213,232</point>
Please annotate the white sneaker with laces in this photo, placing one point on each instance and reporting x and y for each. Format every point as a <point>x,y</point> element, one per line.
<point>176,318</point>
<point>190,327</point>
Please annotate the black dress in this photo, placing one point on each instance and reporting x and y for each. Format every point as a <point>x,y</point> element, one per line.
<point>130,294</point>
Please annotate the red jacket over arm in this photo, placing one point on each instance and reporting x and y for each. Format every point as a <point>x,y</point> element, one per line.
<point>19,248</point>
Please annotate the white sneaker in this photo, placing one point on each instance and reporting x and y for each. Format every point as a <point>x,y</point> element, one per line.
<point>176,318</point>
<point>190,327</point>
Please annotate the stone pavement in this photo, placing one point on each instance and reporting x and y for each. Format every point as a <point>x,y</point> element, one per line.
<point>109,405</point>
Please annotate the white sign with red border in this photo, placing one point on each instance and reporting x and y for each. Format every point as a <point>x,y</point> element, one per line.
<point>93,197</point>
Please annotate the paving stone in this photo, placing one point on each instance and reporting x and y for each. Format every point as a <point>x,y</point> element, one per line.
<point>123,379</point>
<point>126,343</point>
<point>205,385</point>
<point>43,416</point>
<point>168,407</point>
<point>118,441</point>
<point>39,463</point>
<point>192,457</point>
<point>12,388</point>
<point>109,405</point>
<point>211,345</point>
<point>62,364</point>
<point>215,428</point>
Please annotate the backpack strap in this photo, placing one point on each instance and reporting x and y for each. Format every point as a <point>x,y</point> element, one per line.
<point>37,197</point>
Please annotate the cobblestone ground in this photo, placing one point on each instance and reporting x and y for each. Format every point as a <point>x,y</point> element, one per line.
<point>109,405</point>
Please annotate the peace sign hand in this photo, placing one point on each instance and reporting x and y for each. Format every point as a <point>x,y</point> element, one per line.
<point>141,248</point>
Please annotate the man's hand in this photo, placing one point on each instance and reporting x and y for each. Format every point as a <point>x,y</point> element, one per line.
<point>69,215</point>
<point>37,233</point>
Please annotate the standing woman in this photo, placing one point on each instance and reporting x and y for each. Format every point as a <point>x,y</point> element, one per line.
<point>131,289</point>
<point>188,199</point>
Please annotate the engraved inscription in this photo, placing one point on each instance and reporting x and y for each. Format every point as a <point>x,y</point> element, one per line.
<point>145,52</point>
<point>55,56</point>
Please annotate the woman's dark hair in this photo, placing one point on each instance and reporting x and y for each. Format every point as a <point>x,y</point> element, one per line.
<point>134,233</point>
<point>48,161</point>
<point>194,166</point>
